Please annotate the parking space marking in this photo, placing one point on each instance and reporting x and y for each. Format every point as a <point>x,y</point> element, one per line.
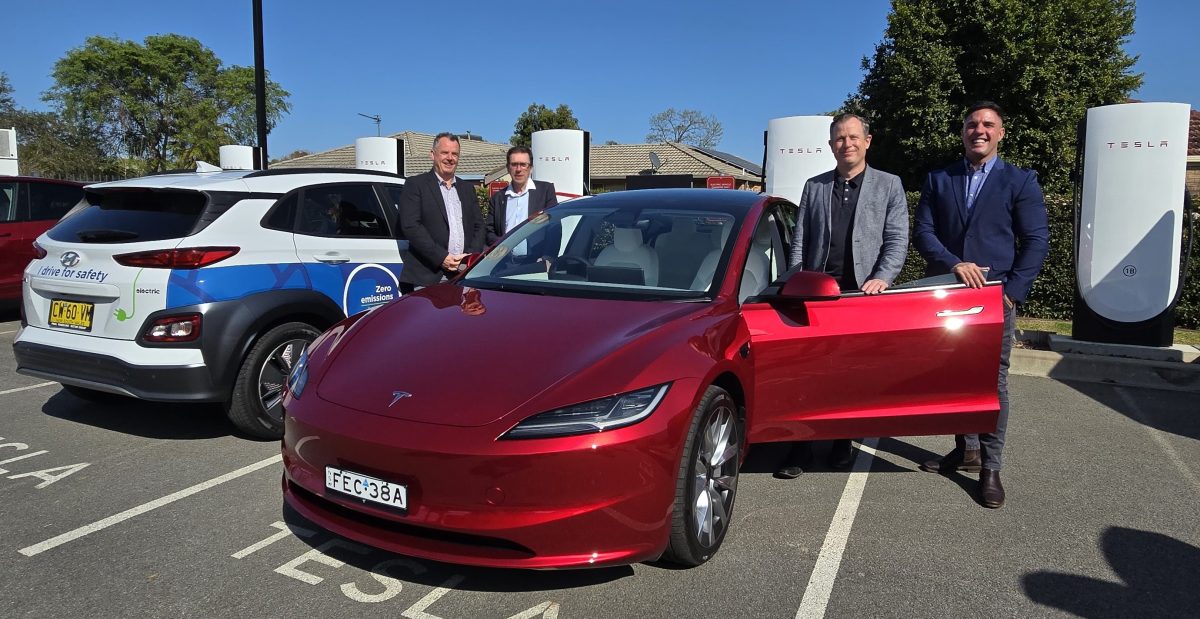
<point>59,540</point>
<point>820,584</point>
<point>37,386</point>
<point>7,332</point>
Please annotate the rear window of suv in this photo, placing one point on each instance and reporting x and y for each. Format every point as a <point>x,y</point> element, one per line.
<point>132,216</point>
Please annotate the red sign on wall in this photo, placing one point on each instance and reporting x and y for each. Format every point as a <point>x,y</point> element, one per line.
<point>495,186</point>
<point>721,182</point>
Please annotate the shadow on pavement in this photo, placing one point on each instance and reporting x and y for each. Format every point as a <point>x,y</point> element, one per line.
<point>437,574</point>
<point>1169,411</point>
<point>1158,575</point>
<point>146,419</point>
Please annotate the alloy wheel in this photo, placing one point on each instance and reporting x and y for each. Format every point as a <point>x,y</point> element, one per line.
<point>715,475</point>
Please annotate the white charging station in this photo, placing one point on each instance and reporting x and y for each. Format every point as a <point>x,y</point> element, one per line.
<point>561,156</point>
<point>377,153</point>
<point>1129,229</point>
<point>8,152</point>
<point>797,149</point>
<point>239,157</point>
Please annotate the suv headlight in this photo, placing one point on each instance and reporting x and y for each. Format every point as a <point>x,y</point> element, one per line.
<point>298,378</point>
<point>594,416</point>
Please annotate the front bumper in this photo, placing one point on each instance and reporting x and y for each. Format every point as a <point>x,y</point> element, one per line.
<point>583,501</point>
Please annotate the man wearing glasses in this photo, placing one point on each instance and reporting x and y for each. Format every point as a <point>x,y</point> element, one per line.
<point>518,202</point>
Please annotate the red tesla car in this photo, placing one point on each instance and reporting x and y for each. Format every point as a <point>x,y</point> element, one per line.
<point>585,393</point>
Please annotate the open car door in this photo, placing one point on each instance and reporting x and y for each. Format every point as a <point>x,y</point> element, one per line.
<point>920,360</point>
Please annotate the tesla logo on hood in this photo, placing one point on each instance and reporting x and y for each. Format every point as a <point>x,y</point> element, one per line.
<point>399,395</point>
<point>69,259</point>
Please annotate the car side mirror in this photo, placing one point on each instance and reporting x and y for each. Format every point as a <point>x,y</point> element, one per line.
<point>810,286</point>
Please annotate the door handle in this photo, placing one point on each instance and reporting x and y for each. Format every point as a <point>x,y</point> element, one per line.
<point>967,312</point>
<point>331,258</point>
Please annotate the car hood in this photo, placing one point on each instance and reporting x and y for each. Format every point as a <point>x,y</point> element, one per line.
<point>465,357</point>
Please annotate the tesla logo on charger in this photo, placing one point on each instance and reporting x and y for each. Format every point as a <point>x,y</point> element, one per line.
<point>69,259</point>
<point>1136,144</point>
<point>800,150</point>
<point>555,158</point>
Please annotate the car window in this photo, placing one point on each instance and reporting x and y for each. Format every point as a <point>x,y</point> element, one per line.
<point>349,210</point>
<point>132,216</point>
<point>8,201</point>
<point>50,201</point>
<point>766,259</point>
<point>283,214</point>
<point>626,251</point>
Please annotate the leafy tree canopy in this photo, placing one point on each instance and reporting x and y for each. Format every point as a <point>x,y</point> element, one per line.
<point>1044,62</point>
<point>167,100</point>
<point>686,126</point>
<point>539,117</point>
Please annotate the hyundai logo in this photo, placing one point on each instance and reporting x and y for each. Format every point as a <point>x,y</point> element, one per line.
<point>69,259</point>
<point>399,395</point>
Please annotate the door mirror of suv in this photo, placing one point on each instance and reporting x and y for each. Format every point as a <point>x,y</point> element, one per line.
<point>810,286</point>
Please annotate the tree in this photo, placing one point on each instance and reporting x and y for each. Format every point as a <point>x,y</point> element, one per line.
<point>539,117</point>
<point>292,155</point>
<point>7,103</point>
<point>1044,62</point>
<point>48,146</point>
<point>686,126</point>
<point>167,100</point>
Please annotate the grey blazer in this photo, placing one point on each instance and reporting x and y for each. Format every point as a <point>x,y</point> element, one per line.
<point>880,236</point>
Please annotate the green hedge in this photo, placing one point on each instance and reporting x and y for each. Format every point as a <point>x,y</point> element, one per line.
<point>1053,294</point>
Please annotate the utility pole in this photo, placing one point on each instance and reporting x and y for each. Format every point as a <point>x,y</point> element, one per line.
<point>260,85</point>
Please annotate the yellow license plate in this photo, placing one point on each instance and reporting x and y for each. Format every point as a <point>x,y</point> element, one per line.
<point>71,314</point>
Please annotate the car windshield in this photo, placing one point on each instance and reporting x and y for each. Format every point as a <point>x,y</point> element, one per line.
<point>612,249</point>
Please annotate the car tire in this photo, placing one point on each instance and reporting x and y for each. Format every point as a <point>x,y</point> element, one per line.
<point>706,485</point>
<point>94,396</point>
<point>256,404</point>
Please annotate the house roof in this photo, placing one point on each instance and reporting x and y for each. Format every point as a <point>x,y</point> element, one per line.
<point>476,157</point>
<point>1194,135</point>
<point>616,161</point>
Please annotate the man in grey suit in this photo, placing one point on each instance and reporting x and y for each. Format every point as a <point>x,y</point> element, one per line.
<point>853,225</point>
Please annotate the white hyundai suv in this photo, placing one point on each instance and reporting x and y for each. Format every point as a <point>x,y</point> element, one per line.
<point>206,286</point>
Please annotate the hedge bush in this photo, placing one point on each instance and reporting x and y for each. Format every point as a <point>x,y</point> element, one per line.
<point>1053,293</point>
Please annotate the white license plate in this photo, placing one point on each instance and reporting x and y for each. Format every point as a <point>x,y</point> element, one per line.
<point>366,488</point>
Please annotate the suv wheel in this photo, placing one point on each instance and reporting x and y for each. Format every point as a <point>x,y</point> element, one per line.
<point>256,407</point>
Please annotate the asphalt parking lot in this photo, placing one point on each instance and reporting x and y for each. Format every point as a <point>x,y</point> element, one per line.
<point>150,510</point>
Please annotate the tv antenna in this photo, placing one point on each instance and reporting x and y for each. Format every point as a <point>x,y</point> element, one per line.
<point>378,119</point>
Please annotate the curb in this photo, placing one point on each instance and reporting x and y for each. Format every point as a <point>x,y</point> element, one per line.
<point>1166,375</point>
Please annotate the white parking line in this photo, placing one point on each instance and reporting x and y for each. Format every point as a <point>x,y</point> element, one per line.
<point>145,507</point>
<point>820,584</point>
<point>37,386</point>
<point>7,332</point>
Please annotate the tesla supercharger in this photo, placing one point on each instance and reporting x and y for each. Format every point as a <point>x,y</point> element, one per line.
<point>797,149</point>
<point>239,157</point>
<point>383,154</point>
<point>561,156</point>
<point>1130,220</point>
<point>8,152</point>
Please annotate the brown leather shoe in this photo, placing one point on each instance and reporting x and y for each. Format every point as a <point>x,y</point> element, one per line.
<point>965,460</point>
<point>991,492</point>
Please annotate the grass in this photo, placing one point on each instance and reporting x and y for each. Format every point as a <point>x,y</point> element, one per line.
<point>1182,336</point>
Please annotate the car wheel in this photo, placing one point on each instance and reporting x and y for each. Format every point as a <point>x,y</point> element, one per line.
<point>707,481</point>
<point>94,396</point>
<point>256,406</point>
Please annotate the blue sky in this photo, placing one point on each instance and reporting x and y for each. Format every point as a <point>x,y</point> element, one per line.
<point>470,66</point>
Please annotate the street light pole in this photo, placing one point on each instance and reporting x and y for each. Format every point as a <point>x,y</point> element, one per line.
<point>260,85</point>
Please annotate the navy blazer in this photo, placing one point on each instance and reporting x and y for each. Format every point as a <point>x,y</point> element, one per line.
<point>1006,229</point>
<point>423,222</point>
<point>541,197</point>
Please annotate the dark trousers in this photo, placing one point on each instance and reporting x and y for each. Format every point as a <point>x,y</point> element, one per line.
<point>992,444</point>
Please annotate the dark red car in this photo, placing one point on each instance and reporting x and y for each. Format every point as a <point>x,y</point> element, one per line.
<point>585,393</point>
<point>28,207</point>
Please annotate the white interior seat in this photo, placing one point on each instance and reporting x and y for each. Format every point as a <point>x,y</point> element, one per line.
<point>628,250</point>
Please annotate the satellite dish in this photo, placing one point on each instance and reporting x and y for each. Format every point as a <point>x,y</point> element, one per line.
<point>655,162</point>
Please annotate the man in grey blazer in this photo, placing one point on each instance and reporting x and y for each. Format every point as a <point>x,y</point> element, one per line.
<point>853,225</point>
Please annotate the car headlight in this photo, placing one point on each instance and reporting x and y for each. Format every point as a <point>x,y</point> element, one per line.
<point>594,416</point>
<point>298,378</point>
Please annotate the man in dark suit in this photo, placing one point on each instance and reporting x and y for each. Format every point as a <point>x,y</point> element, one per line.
<point>522,199</point>
<point>440,218</point>
<point>982,213</point>
<point>852,223</point>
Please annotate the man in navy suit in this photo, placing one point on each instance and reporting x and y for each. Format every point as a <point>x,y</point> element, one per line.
<point>522,199</point>
<point>440,218</point>
<point>982,213</point>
